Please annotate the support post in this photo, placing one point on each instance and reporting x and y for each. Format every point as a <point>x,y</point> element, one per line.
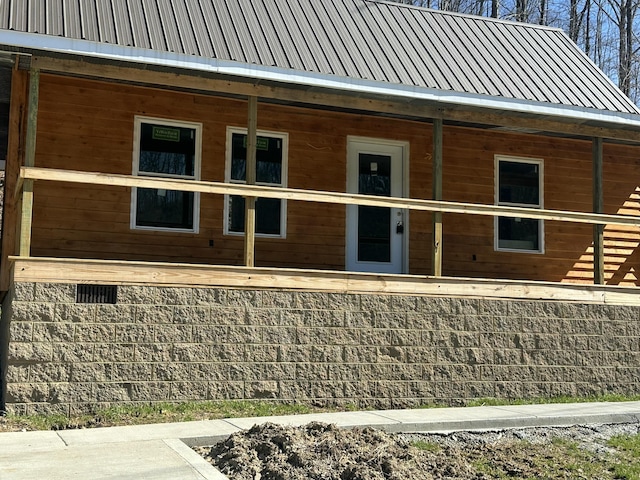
<point>250,202</point>
<point>26,215</point>
<point>598,207</point>
<point>436,259</point>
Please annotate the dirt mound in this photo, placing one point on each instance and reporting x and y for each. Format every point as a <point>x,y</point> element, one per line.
<point>322,451</point>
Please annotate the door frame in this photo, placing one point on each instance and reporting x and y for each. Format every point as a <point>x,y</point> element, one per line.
<point>404,184</point>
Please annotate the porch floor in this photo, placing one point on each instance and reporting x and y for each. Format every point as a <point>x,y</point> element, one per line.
<point>64,270</point>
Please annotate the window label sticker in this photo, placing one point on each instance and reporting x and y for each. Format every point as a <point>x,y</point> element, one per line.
<point>262,143</point>
<point>166,133</point>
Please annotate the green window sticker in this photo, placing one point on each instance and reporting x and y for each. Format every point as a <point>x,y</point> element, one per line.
<point>166,133</point>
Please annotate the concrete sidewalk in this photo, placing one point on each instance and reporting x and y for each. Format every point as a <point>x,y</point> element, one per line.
<point>162,451</point>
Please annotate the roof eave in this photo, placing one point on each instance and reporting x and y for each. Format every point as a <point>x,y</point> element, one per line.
<point>48,43</point>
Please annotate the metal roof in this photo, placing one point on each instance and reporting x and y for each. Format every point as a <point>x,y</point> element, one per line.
<point>375,42</point>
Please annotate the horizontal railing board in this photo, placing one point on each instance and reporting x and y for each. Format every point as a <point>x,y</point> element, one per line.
<point>95,178</point>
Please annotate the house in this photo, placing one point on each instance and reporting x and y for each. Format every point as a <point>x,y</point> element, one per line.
<point>345,202</point>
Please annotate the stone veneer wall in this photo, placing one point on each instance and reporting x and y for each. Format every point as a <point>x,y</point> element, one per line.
<point>174,344</point>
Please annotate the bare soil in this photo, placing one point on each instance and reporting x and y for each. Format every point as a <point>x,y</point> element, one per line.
<point>323,451</point>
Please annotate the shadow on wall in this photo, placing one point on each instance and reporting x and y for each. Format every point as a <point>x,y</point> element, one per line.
<point>621,249</point>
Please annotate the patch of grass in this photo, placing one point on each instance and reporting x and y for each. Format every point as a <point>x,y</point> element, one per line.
<point>628,465</point>
<point>426,446</point>
<point>496,402</point>
<point>137,414</point>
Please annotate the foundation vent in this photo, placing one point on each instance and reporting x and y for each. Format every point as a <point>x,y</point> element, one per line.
<point>97,294</point>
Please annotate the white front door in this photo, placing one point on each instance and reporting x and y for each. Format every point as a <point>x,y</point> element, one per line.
<point>375,235</point>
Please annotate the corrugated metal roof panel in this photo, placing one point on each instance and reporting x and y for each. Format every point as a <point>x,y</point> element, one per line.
<point>258,39</point>
<point>229,33</point>
<point>37,16</point>
<point>271,34</point>
<point>220,48</point>
<point>341,30</point>
<point>54,22</point>
<point>139,30</point>
<point>122,23</point>
<point>89,20</point>
<point>187,35</point>
<point>316,48</point>
<point>106,22</point>
<point>427,54</point>
<point>526,89</point>
<point>508,78</point>
<point>299,42</point>
<point>172,31</point>
<point>358,39</point>
<point>292,55</point>
<point>406,37</point>
<point>71,19</point>
<point>458,76</point>
<point>154,25</point>
<point>243,31</point>
<point>391,56</point>
<point>201,36</point>
<point>5,14</point>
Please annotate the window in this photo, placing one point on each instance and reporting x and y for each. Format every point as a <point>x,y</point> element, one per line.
<point>271,169</point>
<point>519,183</point>
<point>166,149</point>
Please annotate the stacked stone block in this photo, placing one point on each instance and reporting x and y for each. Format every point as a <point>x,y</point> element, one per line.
<point>381,351</point>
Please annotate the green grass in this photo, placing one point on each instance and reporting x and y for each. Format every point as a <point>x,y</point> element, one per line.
<point>628,447</point>
<point>496,402</point>
<point>137,414</point>
<point>426,446</point>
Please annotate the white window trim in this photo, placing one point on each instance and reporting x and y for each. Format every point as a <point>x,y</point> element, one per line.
<point>284,136</point>
<point>536,161</point>
<point>138,121</point>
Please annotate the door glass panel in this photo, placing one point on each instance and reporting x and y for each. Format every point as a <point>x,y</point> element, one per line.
<point>374,223</point>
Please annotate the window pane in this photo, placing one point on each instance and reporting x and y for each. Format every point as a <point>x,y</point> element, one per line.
<point>238,156</point>
<point>167,150</point>
<point>374,175</point>
<point>519,183</point>
<point>374,234</point>
<point>374,223</point>
<point>164,208</point>
<point>268,159</point>
<point>519,233</point>
<point>268,215</point>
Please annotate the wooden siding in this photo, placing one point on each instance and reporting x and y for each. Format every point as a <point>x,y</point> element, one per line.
<point>88,125</point>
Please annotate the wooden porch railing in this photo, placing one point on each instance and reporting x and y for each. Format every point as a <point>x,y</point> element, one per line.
<point>31,174</point>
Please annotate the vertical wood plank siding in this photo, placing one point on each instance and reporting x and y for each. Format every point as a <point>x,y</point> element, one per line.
<point>88,125</point>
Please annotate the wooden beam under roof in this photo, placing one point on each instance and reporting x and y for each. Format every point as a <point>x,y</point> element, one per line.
<point>405,108</point>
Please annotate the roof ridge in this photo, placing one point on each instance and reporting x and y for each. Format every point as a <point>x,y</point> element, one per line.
<point>464,15</point>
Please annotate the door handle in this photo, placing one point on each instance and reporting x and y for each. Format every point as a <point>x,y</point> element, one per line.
<point>399,227</point>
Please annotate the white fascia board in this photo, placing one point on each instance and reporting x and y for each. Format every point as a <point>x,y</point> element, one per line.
<point>50,43</point>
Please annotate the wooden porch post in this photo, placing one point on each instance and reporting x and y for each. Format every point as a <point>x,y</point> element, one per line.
<point>436,259</point>
<point>26,215</point>
<point>598,207</point>
<point>250,202</point>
